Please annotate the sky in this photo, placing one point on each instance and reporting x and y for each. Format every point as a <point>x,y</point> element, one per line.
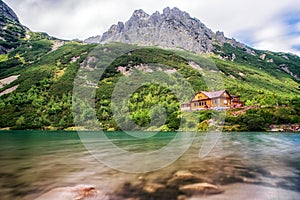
<point>263,24</point>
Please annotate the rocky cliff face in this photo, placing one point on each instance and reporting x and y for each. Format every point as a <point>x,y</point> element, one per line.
<point>10,29</point>
<point>7,12</point>
<point>173,28</point>
<point>93,39</point>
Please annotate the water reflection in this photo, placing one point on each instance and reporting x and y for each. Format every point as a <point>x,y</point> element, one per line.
<point>32,163</point>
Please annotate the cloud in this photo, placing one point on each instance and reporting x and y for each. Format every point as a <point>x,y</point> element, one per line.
<point>262,24</point>
<point>277,37</point>
<point>280,34</point>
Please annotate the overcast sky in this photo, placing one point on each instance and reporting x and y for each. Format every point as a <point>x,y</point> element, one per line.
<point>263,24</point>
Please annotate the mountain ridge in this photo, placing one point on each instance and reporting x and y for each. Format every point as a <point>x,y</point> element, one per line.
<point>8,12</point>
<point>11,30</point>
<point>37,74</point>
<point>172,28</point>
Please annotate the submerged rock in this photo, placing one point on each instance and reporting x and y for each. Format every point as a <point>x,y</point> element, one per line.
<point>200,188</point>
<point>181,197</point>
<point>183,174</point>
<point>82,192</point>
<point>181,178</point>
<point>153,187</point>
<point>180,185</point>
<point>146,191</point>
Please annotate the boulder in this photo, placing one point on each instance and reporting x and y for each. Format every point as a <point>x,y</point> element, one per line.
<point>200,189</point>
<point>153,187</point>
<point>181,178</point>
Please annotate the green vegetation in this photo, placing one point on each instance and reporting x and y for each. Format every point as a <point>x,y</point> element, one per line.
<point>43,99</point>
<point>11,33</point>
<point>259,119</point>
<point>142,110</point>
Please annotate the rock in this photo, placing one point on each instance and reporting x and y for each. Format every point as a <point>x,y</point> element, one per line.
<point>181,197</point>
<point>8,12</point>
<point>153,187</point>
<point>184,177</point>
<point>183,174</point>
<point>11,30</point>
<point>286,57</point>
<point>82,192</point>
<point>93,40</point>
<point>173,29</point>
<point>200,189</point>
<point>220,38</point>
<point>146,191</point>
<point>233,57</point>
<point>263,56</point>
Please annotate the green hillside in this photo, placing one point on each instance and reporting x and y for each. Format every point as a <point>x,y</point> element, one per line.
<point>47,67</point>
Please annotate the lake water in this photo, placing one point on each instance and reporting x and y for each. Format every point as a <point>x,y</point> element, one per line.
<point>244,165</point>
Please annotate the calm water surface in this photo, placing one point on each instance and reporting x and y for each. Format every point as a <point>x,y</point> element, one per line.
<point>246,165</point>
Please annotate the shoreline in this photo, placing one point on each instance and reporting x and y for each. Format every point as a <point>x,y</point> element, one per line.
<point>73,129</point>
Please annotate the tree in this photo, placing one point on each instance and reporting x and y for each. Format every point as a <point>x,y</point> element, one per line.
<point>20,122</point>
<point>254,122</point>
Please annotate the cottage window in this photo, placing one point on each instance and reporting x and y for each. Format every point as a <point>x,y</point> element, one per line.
<point>203,103</point>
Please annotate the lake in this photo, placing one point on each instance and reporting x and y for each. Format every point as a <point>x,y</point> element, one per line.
<point>244,165</point>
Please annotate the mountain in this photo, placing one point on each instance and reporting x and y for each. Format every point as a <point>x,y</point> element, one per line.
<point>11,29</point>
<point>93,39</point>
<point>173,28</point>
<point>177,29</point>
<point>37,74</point>
<point>7,12</point>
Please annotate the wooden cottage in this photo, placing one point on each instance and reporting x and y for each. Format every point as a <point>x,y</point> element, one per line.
<point>217,100</point>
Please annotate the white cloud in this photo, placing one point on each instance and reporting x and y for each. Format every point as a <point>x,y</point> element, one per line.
<point>297,27</point>
<point>277,37</point>
<point>261,20</point>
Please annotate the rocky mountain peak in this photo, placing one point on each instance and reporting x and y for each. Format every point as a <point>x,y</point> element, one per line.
<point>172,28</point>
<point>7,12</point>
<point>175,13</point>
<point>139,14</point>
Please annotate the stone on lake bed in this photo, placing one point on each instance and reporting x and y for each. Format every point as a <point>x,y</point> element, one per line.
<point>181,197</point>
<point>200,189</point>
<point>183,174</point>
<point>181,178</point>
<point>82,192</point>
<point>152,187</point>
